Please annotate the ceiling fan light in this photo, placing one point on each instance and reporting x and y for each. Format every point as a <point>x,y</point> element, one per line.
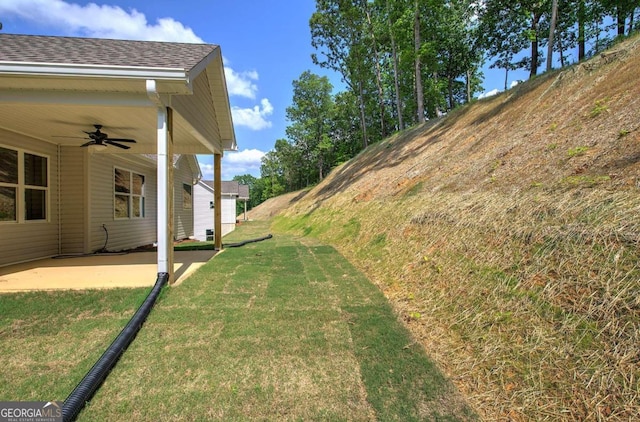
<point>97,148</point>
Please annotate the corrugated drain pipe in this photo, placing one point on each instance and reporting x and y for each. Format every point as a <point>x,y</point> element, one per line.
<point>237,245</point>
<point>96,375</point>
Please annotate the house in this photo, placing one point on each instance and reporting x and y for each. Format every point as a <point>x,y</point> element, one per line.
<point>96,134</point>
<point>231,191</point>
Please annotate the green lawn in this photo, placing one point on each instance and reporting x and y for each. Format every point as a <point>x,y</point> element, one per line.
<point>275,330</point>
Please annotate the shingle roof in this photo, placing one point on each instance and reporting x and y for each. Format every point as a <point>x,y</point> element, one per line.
<point>231,187</point>
<point>243,192</point>
<point>98,51</point>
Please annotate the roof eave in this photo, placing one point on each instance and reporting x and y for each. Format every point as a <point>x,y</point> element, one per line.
<point>94,71</point>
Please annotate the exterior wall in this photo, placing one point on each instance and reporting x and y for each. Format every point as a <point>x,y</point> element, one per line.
<point>203,214</point>
<point>122,233</point>
<point>228,214</point>
<point>31,240</point>
<point>74,197</point>
<point>183,217</point>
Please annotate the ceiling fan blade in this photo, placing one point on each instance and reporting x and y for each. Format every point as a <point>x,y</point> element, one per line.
<point>110,142</point>
<point>121,140</point>
<point>88,143</point>
<point>69,137</point>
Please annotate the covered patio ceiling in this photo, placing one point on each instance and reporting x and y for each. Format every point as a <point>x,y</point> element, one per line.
<point>65,125</point>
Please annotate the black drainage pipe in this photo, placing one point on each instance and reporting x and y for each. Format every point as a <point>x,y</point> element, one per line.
<point>236,245</point>
<point>96,375</point>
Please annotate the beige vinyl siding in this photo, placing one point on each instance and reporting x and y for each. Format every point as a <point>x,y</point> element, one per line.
<point>31,240</point>
<point>198,109</point>
<point>183,218</point>
<point>74,199</point>
<point>122,233</point>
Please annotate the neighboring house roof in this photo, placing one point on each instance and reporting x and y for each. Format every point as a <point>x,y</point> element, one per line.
<point>243,192</point>
<point>58,87</point>
<point>230,188</point>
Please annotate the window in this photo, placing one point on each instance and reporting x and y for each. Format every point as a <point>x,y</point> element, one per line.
<point>128,194</point>
<point>35,189</point>
<point>24,185</point>
<point>186,196</point>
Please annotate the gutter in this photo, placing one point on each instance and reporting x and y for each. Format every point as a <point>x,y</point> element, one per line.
<point>80,70</point>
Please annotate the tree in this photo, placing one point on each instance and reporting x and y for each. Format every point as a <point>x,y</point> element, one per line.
<point>337,31</point>
<point>509,27</point>
<point>309,116</point>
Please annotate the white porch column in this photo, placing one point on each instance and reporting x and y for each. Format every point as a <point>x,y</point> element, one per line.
<point>165,192</point>
<point>217,200</point>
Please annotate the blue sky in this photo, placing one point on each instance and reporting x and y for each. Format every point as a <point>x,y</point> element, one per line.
<point>266,45</point>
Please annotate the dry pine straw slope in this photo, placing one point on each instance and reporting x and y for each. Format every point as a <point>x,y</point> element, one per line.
<point>507,237</point>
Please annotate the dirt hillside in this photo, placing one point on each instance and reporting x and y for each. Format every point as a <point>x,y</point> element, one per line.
<point>507,237</point>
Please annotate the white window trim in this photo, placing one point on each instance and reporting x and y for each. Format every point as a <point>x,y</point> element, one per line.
<point>131,195</point>
<point>21,205</point>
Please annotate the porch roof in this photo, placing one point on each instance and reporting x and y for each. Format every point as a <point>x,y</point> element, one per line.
<point>56,88</point>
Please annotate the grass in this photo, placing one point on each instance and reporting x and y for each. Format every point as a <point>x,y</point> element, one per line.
<point>520,279</point>
<point>278,330</point>
<point>49,340</point>
<point>532,297</point>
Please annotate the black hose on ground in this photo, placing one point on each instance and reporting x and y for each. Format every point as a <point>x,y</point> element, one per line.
<point>98,373</point>
<point>237,245</point>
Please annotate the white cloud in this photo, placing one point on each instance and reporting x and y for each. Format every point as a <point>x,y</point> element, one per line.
<point>106,21</point>
<point>95,20</point>
<point>489,93</point>
<point>254,118</point>
<point>241,83</point>
<point>247,161</point>
<point>514,83</point>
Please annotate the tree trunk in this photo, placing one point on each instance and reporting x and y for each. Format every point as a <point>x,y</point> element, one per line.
<point>534,46</point>
<point>562,59</point>
<point>620,20</point>
<point>396,82</point>
<point>552,29</point>
<point>378,72</point>
<point>394,57</point>
<point>435,82</point>
<point>450,87</point>
<point>506,77</point>
<point>581,19</point>
<point>418,67</point>
<point>363,121</point>
<point>468,85</point>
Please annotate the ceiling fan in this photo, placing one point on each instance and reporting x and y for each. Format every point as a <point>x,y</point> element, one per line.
<point>99,138</point>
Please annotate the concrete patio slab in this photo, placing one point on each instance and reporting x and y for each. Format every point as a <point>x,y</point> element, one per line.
<point>138,269</point>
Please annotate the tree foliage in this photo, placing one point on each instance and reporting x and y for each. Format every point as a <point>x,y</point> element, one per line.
<point>406,61</point>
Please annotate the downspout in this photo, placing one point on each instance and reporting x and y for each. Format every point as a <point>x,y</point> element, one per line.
<point>58,171</point>
<point>165,261</point>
